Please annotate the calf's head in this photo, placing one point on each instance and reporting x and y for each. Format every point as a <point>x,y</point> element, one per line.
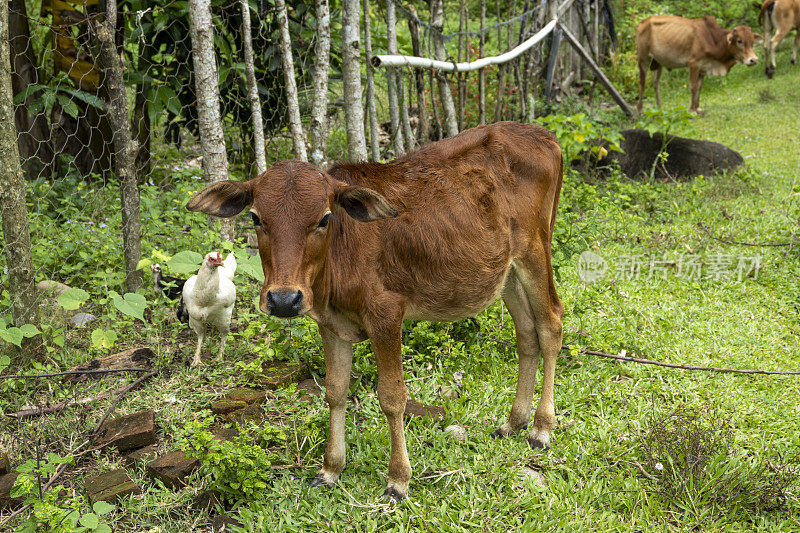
<point>292,205</point>
<point>740,45</point>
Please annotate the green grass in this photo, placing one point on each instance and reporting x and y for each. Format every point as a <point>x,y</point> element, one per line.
<point>602,407</point>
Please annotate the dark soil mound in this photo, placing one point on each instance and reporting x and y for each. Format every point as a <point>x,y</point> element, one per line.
<point>687,157</point>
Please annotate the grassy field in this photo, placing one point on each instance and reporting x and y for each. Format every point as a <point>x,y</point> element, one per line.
<point>602,472</point>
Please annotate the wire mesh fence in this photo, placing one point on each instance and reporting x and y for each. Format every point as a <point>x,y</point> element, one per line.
<point>71,175</point>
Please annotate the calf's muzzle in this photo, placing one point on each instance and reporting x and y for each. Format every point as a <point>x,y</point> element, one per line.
<point>285,303</point>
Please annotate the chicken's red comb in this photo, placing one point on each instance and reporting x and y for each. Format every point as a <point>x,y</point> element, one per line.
<point>219,256</point>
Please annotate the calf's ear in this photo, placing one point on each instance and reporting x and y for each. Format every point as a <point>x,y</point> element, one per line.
<point>363,204</point>
<point>223,199</point>
<point>757,38</point>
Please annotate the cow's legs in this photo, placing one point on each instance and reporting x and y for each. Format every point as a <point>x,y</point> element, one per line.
<point>695,82</point>
<point>780,34</point>
<point>642,80</point>
<point>384,330</point>
<point>536,275</point>
<point>656,81</point>
<point>338,361</point>
<point>516,301</point>
<point>796,46</point>
<point>769,50</point>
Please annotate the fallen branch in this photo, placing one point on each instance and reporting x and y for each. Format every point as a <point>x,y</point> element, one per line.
<point>742,243</point>
<point>27,413</point>
<point>75,373</point>
<point>682,367</point>
<point>122,393</point>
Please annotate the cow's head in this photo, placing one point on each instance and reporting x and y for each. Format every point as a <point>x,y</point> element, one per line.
<point>740,45</point>
<point>291,205</point>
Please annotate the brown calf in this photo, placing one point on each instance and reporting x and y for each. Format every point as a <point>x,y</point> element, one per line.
<point>782,16</point>
<point>700,44</point>
<point>438,234</point>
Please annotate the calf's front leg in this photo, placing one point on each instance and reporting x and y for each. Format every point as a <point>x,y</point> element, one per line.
<point>385,334</point>
<point>338,362</point>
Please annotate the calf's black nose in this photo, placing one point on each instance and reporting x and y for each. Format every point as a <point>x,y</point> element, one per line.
<point>284,303</point>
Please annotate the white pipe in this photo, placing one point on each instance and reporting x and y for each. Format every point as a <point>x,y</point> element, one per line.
<point>421,62</point>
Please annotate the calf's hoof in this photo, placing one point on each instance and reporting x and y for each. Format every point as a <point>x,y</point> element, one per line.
<point>506,429</point>
<point>539,440</point>
<point>396,492</point>
<point>793,61</point>
<point>769,71</point>
<point>320,480</point>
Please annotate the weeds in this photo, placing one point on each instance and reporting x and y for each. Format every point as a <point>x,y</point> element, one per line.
<point>695,465</point>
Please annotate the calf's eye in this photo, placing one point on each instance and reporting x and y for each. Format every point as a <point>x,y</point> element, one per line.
<point>323,223</point>
<point>256,220</point>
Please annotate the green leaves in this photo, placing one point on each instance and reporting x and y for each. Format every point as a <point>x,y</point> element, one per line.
<point>130,304</point>
<point>103,338</point>
<point>185,262</point>
<point>15,336</point>
<point>249,264</point>
<point>72,298</point>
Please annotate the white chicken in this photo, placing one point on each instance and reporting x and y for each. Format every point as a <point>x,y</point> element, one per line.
<point>209,297</point>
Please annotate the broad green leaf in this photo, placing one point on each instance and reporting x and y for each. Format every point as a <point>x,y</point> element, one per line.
<point>72,298</point>
<point>250,265</point>
<point>89,98</point>
<point>29,330</point>
<point>103,339</point>
<point>12,335</point>
<point>90,520</point>
<point>68,105</point>
<point>184,262</point>
<point>102,508</point>
<point>102,528</point>
<point>130,304</point>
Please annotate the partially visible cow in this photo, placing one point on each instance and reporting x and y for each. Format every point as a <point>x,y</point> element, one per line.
<point>438,234</point>
<point>782,16</point>
<point>700,44</point>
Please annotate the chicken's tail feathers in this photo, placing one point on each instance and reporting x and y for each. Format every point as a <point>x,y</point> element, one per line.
<point>229,265</point>
<point>182,312</point>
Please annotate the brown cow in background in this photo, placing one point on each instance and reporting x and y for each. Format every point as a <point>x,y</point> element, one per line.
<point>782,16</point>
<point>438,234</point>
<point>700,44</point>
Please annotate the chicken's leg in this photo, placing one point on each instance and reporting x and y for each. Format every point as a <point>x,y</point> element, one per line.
<point>222,344</point>
<point>200,329</point>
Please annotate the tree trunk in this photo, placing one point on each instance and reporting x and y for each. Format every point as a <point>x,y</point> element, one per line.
<point>519,96</point>
<point>142,128</point>
<point>500,93</point>
<point>482,72</point>
<point>424,130</point>
<point>16,234</point>
<point>446,97</point>
<point>374,145</point>
<point>124,149</point>
<point>351,81</point>
<point>317,133</point>
<point>252,90</point>
<point>391,80</point>
<point>33,133</point>
<point>463,26</point>
<point>295,125</point>
<point>209,119</point>
<point>405,122</point>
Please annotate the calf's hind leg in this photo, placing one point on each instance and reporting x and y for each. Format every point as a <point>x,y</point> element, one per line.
<point>516,301</point>
<point>536,275</point>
